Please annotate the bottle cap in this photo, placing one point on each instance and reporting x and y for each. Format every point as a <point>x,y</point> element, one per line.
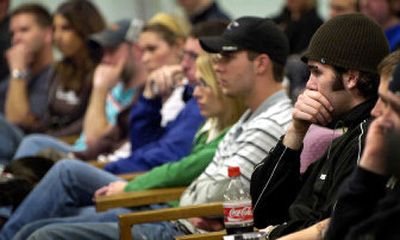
<point>233,171</point>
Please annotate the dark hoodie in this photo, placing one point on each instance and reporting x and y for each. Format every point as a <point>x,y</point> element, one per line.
<point>282,196</point>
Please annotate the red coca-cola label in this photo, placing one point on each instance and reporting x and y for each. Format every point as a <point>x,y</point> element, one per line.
<point>238,213</point>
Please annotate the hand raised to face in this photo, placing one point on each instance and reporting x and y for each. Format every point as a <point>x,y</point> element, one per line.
<point>106,76</point>
<point>311,107</point>
<point>19,57</point>
<point>162,81</point>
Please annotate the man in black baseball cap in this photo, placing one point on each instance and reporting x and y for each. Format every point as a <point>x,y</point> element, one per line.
<point>252,54</point>
<point>253,34</point>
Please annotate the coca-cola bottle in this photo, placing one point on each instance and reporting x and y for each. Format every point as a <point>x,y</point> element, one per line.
<point>238,212</point>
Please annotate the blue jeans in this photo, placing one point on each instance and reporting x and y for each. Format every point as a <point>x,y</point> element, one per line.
<point>65,191</point>
<point>63,208</point>
<point>10,137</point>
<point>34,143</point>
<point>105,231</point>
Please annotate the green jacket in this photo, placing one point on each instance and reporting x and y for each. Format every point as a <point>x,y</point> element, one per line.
<point>182,172</point>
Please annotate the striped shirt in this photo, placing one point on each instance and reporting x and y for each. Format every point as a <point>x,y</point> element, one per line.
<point>246,144</point>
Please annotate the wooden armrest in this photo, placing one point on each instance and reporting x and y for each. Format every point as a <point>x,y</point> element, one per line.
<point>133,199</point>
<point>69,139</point>
<point>97,164</point>
<point>203,236</point>
<point>126,176</point>
<point>130,176</point>
<point>127,220</point>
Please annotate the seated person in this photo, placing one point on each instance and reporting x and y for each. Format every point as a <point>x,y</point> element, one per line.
<point>341,91</point>
<point>69,84</point>
<point>221,112</point>
<point>115,81</point>
<point>368,204</point>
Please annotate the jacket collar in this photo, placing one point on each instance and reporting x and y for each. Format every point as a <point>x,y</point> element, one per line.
<point>355,116</point>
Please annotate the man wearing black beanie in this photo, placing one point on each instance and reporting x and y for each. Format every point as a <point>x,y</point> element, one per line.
<point>341,91</point>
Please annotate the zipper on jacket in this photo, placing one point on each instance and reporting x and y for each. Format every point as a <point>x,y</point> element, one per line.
<point>270,178</point>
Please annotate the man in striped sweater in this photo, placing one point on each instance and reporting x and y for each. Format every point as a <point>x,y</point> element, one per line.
<point>251,57</point>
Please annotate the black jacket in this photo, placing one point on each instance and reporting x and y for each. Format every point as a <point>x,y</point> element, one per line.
<point>299,32</point>
<point>281,195</point>
<point>366,209</point>
<point>211,13</point>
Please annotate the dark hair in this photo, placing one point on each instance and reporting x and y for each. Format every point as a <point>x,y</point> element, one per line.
<point>84,19</point>
<point>278,70</point>
<point>40,13</point>
<point>209,28</point>
<point>367,83</point>
<point>164,32</point>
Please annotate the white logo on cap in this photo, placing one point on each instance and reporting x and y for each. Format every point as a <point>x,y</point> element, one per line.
<point>232,24</point>
<point>229,48</point>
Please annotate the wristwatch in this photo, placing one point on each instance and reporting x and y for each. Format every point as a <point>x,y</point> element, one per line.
<point>20,74</point>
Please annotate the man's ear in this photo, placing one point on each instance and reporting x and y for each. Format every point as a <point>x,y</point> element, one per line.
<point>137,51</point>
<point>261,63</point>
<point>351,79</point>
<point>48,37</point>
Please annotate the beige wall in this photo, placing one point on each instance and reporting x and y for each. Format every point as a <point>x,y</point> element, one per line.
<point>144,9</point>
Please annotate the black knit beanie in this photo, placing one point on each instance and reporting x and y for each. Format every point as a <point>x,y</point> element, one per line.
<point>351,41</point>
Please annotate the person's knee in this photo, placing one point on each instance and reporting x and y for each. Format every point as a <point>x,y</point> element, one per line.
<point>44,234</point>
<point>64,168</point>
<point>68,164</point>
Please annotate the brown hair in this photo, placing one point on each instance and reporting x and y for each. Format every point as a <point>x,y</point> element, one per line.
<point>387,66</point>
<point>278,70</point>
<point>40,13</point>
<point>85,19</point>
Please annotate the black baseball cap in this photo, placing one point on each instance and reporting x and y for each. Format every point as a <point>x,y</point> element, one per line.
<point>122,31</point>
<point>256,34</point>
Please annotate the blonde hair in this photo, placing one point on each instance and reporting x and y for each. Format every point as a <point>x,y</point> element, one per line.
<point>174,24</point>
<point>234,107</point>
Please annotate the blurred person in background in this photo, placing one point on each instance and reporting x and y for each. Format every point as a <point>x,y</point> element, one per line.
<point>202,10</point>
<point>29,57</point>
<point>68,83</point>
<point>339,7</point>
<point>5,39</point>
<point>299,20</point>
<point>384,13</point>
